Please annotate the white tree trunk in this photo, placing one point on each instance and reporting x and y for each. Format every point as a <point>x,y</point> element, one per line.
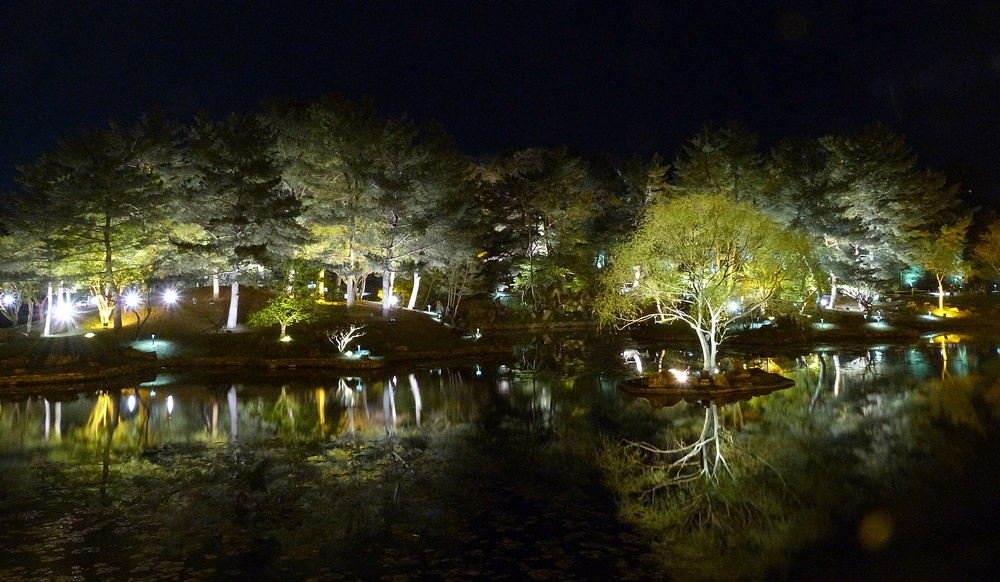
<point>234,305</point>
<point>413,294</point>
<point>351,290</point>
<point>215,287</point>
<point>48,313</point>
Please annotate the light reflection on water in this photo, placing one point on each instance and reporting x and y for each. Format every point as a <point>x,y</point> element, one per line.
<point>187,408</point>
<point>840,392</point>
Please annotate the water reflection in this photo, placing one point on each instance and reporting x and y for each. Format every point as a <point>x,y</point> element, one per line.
<point>856,420</point>
<point>184,409</point>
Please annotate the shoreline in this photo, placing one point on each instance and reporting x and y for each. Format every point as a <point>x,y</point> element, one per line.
<point>146,362</point>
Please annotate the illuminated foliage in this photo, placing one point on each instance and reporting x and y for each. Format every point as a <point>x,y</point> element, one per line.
<point>987,251</point>
<point>941,253</point>
<point>284,311</point>
<point>100,201</point>
<point>690,259</point>
<point>238,210</point>
<point>536,209</point>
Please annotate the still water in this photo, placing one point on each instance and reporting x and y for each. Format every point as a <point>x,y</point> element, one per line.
<point>486,469</point>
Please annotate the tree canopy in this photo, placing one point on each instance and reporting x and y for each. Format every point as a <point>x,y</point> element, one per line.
<point>326,191</point>
<point>703,259</point>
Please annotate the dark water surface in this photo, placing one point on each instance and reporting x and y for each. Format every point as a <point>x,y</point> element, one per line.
<point>482,470</point>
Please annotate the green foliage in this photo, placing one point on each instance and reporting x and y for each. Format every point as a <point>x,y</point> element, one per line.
<point>239,210</point>
<point>987,252</point>
<point>285,311</point>
<point>692,257</point>
<point>99,204</point>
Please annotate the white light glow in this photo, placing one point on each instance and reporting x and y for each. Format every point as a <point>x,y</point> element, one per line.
<point>734,306</point>
<point>680,375</point>
<point>7,299</point>
<point>170,404</point>
<point>170,296</point>
<point>64,312</point>
<point>131,402</point>
<point>131,300</point>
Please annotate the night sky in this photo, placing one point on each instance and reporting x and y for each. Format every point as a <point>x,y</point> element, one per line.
<point>601,77</point>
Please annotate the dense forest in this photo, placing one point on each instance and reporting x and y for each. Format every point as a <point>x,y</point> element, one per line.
<point>330,200</point>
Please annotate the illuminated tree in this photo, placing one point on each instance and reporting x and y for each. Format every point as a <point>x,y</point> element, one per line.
<point>379,196</point>
<point>941,253</point>
<point>884,205</point>
<point>24,270</point>
<point>342,337</point>
<point>418,178</point>
<point>238,211</point>
<point>721,161</point>
<point>536,207</point>
<point>703,260</point>
<point>100,198</point>
<point>987,251</point>
<point>284,311</point>
<point>330,148</point>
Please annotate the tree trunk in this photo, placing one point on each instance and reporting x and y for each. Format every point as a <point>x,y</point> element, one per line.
<point>351,290</point>
<point>215,287</point>
<point>940,282</point>
<point>234,305</point>
<point>386,293</point>
<point>707,362</point>
<point>833,291</point>
<point>47,330</point>
<point>118,308</point>
<point>413,294</point>
<point>321,284</point>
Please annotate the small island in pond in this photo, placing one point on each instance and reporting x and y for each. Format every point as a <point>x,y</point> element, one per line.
<point>673,386</point>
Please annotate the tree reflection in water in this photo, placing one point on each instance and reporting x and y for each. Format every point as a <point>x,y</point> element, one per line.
<point>867,460</point>
<point>863,452</point>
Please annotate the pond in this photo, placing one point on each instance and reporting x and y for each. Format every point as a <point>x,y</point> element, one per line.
<point>887,455</point>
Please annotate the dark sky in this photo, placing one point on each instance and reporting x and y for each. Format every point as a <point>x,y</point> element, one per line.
<point>604,77</point>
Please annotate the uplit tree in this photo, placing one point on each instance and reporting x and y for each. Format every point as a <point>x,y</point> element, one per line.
<point>100,197</point>
<point>284,311</point>
<point>238,211</point>
<point>941,253</point>
<point>536,207</point>
<point>703,260</point>
<point>418,177</point>
<point>721,161</point>
<point>330,147</point>
<point>884,203</point>
<point>987,251</point>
